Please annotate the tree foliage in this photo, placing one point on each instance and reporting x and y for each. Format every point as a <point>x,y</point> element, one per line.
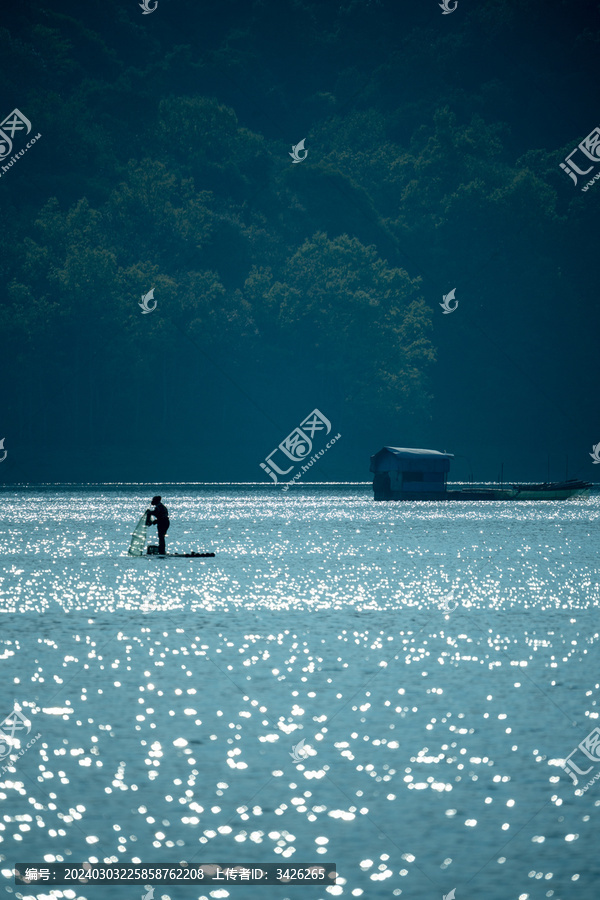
<point>165,163</point>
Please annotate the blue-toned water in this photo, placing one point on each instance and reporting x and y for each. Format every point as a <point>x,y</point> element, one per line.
<point>169,695</point>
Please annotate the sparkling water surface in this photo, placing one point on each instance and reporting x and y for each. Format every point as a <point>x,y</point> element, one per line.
<point>429,664</point>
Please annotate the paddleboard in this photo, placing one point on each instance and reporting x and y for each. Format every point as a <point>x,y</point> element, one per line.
<point>152,551</point>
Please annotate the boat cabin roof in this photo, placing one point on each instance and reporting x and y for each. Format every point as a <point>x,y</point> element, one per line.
<point>410,459</point>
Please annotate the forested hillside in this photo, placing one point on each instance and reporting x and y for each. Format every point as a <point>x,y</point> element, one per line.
<point>433,149</point>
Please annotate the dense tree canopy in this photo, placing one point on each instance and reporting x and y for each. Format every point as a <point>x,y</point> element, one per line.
<point>434,145</point>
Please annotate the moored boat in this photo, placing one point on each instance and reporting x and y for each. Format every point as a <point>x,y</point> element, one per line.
<point>405,473</point>
<point>552,490</point>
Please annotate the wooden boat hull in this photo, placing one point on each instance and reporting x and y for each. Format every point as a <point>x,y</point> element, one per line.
<point>413,496</point>
<point>556,491</point>
<point>561,490</point>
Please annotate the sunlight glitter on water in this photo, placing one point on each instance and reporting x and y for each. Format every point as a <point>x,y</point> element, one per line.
<point>170,700</point>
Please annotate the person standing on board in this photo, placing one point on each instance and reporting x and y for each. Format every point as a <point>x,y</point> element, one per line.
<point>161,520</point>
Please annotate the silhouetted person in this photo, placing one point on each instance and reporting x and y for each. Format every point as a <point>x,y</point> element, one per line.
<point>161,520</point>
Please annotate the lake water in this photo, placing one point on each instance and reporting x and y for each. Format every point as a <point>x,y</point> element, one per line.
<point>169,695</point>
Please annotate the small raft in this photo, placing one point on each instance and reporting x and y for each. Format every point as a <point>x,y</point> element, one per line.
<point>138,542</point>
<point>152,550</point>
